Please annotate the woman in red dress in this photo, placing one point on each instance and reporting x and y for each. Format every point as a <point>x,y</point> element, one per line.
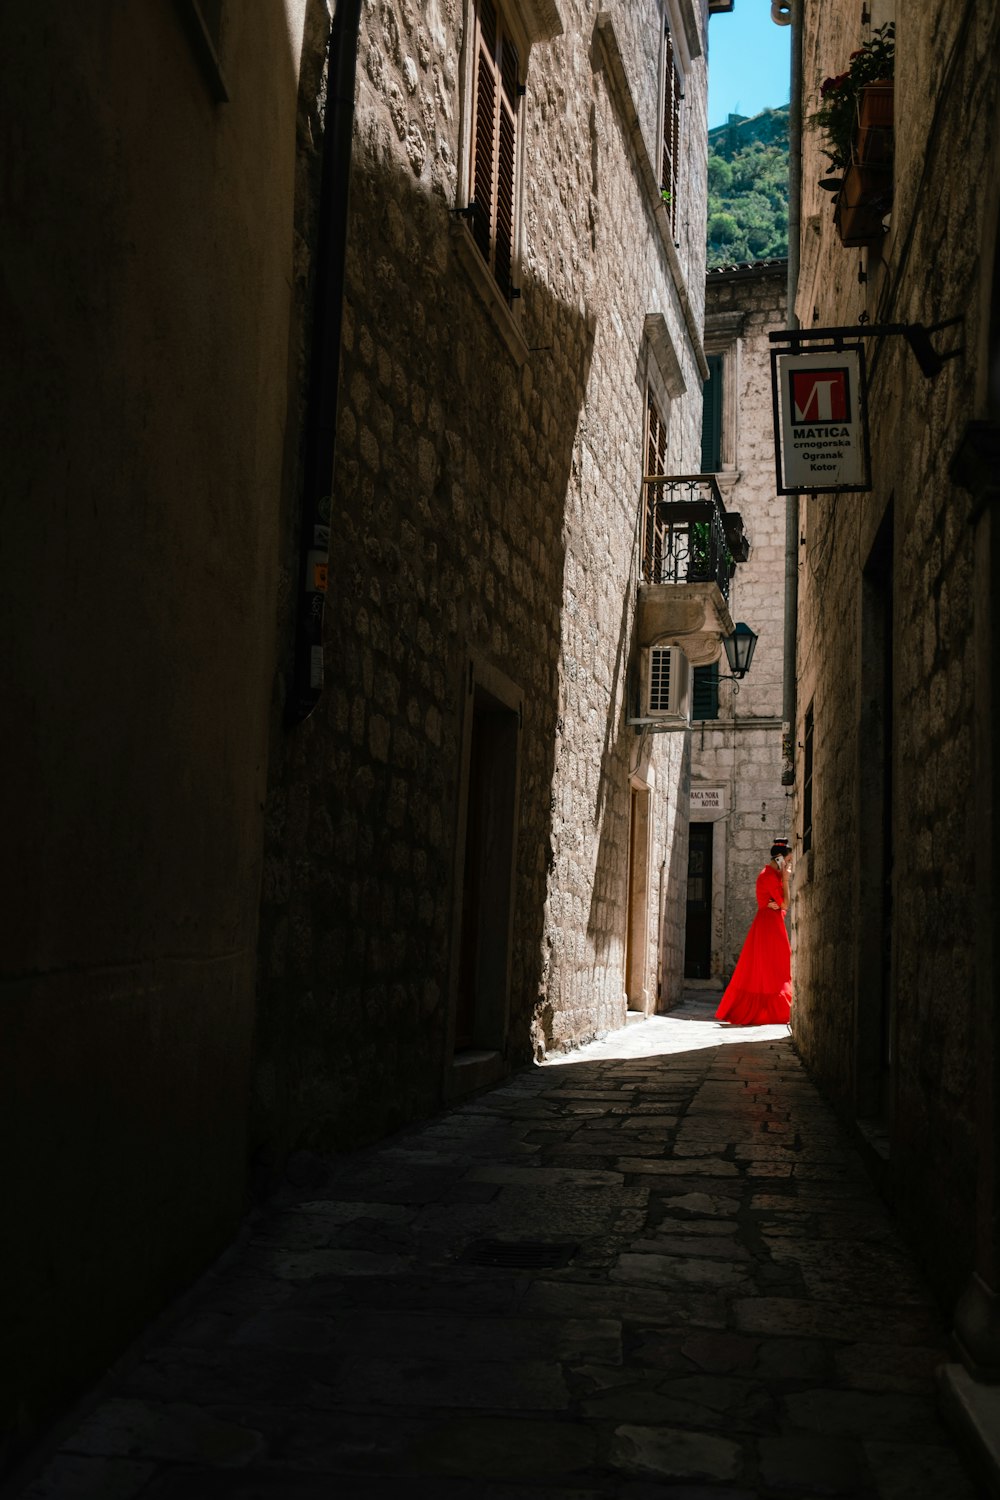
<point>760,991</point>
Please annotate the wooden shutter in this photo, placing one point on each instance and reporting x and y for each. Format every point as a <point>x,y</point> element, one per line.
<point>705,703</point>
<point>711,418</point>
<point>656,463</point>
<point>656,438</point>
<point>484,131</point>
<point>494,144</point>
<point>506,159</point>
<point>671,128</point>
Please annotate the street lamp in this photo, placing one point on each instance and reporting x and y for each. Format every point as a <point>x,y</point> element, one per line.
<point>739,654</point>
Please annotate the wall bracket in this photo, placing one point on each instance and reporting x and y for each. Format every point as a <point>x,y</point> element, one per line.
<point>917,335</point>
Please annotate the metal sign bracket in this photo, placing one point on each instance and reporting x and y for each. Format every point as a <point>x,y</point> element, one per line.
<point>917,335</point>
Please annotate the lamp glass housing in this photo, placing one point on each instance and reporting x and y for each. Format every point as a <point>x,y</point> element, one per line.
<point>739,649</point>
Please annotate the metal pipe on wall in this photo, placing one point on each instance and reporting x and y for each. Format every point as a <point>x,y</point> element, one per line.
<point>321,401</point>
<point>789,13</point>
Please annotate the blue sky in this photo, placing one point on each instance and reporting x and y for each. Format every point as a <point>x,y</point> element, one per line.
<point>747,62</point>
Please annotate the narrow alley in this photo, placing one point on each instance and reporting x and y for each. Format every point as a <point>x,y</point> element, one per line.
<point>477,491</point>
<point>652,1267</point>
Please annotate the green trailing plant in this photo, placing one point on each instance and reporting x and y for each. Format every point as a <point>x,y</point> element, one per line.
<point>701,548</point>
<point>837,116</point>
<point>701,551</point>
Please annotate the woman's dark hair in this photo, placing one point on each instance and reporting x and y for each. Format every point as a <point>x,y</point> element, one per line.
<point>780,846</point>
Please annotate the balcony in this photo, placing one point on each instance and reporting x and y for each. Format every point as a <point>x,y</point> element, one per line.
<point>691,545</point>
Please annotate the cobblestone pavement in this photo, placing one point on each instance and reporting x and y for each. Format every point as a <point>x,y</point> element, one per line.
<point>652,1268</point>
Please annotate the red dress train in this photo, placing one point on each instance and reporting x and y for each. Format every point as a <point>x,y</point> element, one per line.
<point>760,991</point>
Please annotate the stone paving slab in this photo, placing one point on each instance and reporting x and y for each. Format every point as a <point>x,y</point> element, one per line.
<point>653,1269</point>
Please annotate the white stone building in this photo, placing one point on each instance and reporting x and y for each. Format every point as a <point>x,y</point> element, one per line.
<point>737,804</point>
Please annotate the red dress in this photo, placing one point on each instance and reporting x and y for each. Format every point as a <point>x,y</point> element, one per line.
<point>760,991</point>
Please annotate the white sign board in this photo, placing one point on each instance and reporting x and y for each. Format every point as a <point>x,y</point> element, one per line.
<point>820,420</point>
<point>707,803</point>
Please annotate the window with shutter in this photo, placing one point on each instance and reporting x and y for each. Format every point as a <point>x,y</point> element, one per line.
<point>705,699</point>
<point>495,125</point>
<point>656,437</point>
<point>711,418</point>
<point>673,93</point>
<point>656,463</point>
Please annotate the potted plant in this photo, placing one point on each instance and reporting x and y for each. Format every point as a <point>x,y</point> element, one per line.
<point>860,98</point>
<point>856,118</point>
<point>699,554</point>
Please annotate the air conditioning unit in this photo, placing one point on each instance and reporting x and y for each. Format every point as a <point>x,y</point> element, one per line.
<point>666,685</point>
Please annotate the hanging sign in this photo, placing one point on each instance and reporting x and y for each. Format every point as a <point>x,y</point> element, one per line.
<point>820,420</point>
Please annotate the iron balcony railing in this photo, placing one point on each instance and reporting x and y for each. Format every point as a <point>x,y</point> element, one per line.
<point>688,536</point>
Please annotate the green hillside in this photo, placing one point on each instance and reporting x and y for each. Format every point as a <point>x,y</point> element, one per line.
<point>748,188</point>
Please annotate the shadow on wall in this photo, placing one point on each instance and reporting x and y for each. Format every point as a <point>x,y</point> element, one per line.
<point>450,488</point>
<point>144,376</point>
<point>611,813</point>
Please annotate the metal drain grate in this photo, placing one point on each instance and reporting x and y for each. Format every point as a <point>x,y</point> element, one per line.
<point>518,1255</point>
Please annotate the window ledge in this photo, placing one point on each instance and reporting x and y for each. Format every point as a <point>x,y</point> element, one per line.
<point>541,20</point>
<point>723,329</point>
<point>621,94</point>
<point>726,725</point>
<point>662,345</point>
<point>479,275</point>
<point>691,33</point>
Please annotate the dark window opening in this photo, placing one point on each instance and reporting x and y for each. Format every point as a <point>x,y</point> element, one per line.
<point>698,921</point>
<point>711,418</point>
<point>705,699</point>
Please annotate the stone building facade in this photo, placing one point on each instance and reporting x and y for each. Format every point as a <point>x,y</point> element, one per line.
<point>738,803</point>
<point>487,514</point>
<point>895,886</point>
<point>238,929</point>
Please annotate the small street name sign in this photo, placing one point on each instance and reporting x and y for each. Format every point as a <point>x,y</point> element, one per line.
<point>708,802</point>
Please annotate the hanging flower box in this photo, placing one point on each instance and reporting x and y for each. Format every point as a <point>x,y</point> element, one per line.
<point>864,199</point>
<point>873,141</point>
<point>856,100</point>
<point>875,104</point>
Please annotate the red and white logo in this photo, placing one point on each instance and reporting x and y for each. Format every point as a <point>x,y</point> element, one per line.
<point>821,395</point>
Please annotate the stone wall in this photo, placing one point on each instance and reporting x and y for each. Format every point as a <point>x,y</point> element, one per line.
<point>889,885</point>
<point>486,502</point>
<point>741,751</point>
<point>148,256</point>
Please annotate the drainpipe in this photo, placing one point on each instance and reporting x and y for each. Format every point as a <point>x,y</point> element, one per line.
<point>789,13</point>
<point>321,399</point>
